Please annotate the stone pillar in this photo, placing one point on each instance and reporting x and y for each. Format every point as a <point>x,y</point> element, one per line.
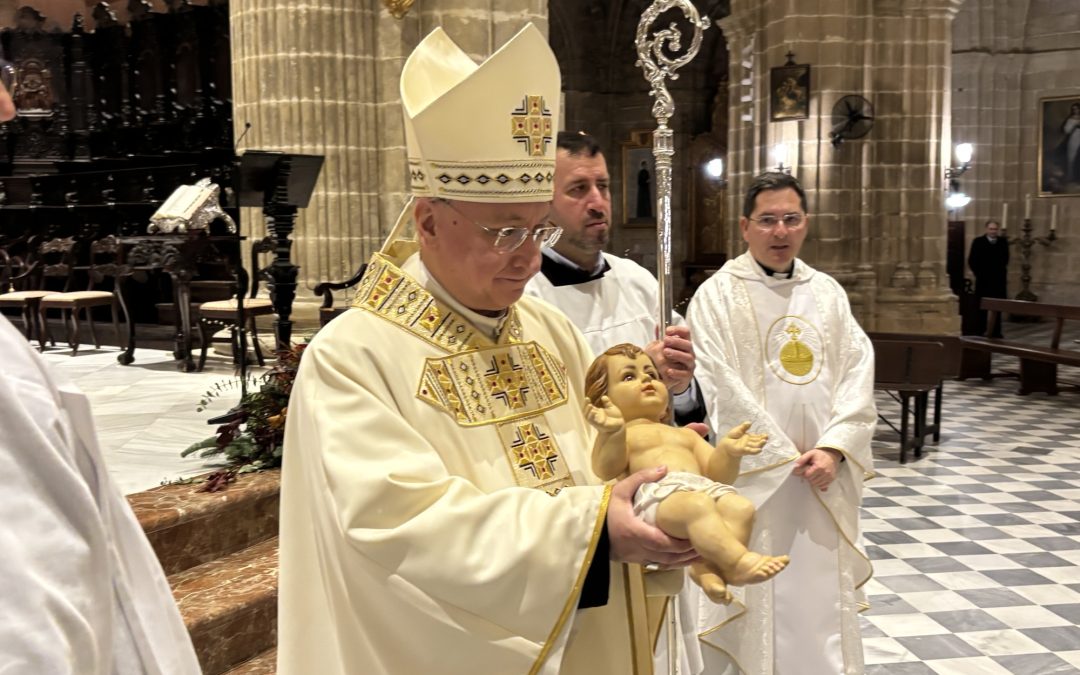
<point>878,216</point>
<point>321,77</point>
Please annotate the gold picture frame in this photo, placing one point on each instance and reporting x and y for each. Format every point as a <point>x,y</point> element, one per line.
<point>1059,146</point>
<point>789,92</point>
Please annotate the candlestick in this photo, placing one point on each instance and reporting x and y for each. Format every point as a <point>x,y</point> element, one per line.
<point>1026,242</point>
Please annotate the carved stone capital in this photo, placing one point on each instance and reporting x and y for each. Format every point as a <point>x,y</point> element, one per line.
<point>398,8</point>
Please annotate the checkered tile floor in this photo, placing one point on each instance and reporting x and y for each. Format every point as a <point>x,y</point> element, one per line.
<point>976,545</point>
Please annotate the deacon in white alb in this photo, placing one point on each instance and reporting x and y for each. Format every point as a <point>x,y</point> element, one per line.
<point>777,344</point>
<point>81,591</point>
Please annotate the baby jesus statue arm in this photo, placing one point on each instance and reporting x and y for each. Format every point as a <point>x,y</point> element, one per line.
<point>628,407</point>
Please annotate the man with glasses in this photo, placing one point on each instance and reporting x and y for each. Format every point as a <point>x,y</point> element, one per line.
<point>777,344</point>
<point>439,510</point>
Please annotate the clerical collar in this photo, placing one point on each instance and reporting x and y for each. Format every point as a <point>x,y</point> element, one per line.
<point>561,271</point>
<point>992,239</point>
<point>774,274</point>
<point>489,325</point>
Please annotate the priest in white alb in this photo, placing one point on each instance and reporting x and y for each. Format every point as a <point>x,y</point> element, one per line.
<point>777,344</point>
<point>439,512</point>
<point>81,590</point>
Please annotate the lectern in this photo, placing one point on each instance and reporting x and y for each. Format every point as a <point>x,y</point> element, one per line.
<point>279,183</point>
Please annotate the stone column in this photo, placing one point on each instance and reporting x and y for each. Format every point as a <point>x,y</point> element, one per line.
<point>321,77</point>
<point>878,215</point>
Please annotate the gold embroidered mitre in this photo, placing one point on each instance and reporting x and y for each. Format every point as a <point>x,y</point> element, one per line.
<point>482,133</point>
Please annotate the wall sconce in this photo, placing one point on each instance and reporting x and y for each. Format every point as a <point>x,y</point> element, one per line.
<point>779,154</point>
<point>955,197</point>
<point>714,169</point>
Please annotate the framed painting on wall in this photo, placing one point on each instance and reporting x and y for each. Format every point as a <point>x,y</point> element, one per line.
<point>638,180</point>
<point>789,92</point>
<point>1059,146</point>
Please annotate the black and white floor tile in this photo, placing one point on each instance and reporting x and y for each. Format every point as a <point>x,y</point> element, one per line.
<point>976,545</point>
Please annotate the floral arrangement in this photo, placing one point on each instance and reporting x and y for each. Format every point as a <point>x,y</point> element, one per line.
<point>251,435</point>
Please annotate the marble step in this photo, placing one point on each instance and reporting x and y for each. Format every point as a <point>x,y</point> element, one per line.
<point>229,606</point>
<point>189,528</point>
<point>263,664</point>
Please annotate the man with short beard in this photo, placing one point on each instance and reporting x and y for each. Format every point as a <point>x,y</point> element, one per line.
<point>611,300</point>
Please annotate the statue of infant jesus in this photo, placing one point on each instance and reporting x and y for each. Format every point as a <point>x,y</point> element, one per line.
<point>695,500</point>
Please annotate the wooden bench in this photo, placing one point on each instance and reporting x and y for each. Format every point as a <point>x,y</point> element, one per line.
<point>912,366</point>
<point>1038,364</point>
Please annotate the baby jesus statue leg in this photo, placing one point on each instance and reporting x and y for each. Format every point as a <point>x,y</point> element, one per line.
<point>628,407</point>
<point>719,530</point>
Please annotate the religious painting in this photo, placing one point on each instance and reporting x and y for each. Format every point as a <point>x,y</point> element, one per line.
<point>789,92</point>
<point>639,181</point>
<point>1059,146</point>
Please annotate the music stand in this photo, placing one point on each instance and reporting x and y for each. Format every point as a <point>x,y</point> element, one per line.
<point>280,183</point>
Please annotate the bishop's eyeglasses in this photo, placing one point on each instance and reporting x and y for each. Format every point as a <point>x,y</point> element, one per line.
<point>791,221</point>
<point>509,239</point>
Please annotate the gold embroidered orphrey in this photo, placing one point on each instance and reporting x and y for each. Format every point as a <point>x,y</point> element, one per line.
<point>494,384</point>
<point>509,384</point>
<point>534,456</point>
<point>794,350</point>
<point>531,125</point>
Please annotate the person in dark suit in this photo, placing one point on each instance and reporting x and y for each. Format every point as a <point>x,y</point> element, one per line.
<point>989,262</point>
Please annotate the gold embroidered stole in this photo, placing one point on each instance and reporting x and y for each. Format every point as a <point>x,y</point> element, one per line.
<point>506,383</point>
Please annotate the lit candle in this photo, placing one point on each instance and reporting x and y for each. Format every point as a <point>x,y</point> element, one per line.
<point>1027,208</point>
<point>1053,218</point>
<point>1004,216</point>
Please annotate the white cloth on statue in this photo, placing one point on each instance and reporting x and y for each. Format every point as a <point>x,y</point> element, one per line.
<point>787,355</point>
<point>82,589</point>
<point>622,306</point>
<point>649,495</point>
<point>418,533</point>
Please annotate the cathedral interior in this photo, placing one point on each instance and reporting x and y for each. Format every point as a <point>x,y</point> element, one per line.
<point>910,124</point>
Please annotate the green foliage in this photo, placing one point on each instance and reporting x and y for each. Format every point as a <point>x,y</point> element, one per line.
<point>252,434</point>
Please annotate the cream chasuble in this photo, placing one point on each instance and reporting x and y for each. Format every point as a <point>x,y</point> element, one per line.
<point>439,513</point>
<point>82,589</point>
<point>788,355</point>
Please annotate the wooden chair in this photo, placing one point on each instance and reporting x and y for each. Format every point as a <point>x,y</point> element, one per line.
<point>49,264</point>
<point>950,366</point>
<point>104,263</point>
<point>911,368</point>
<point>326,289</point>
<point>219,314</point>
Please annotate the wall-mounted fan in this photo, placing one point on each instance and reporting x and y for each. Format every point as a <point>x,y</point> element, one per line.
<point>852,117</point>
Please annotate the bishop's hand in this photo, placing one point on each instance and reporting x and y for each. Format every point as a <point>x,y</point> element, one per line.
<point>607,418</point>
<point>739,443</point>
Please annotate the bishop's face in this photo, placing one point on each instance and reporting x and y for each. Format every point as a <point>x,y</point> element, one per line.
<point>635,388</point>
<point>462,256</point>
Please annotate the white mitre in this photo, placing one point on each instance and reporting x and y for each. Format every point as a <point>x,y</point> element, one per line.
<point>482,133</point>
